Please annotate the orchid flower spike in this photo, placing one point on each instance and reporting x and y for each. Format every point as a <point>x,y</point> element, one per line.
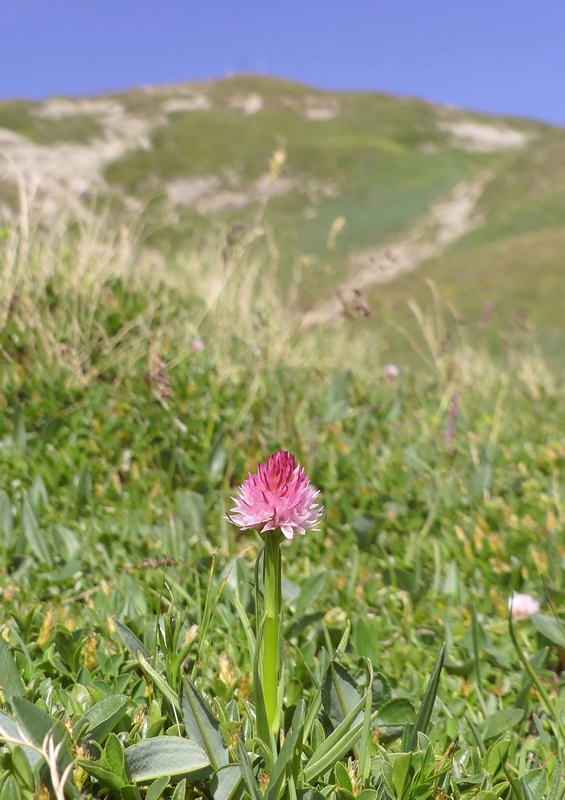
<point>278,495</point>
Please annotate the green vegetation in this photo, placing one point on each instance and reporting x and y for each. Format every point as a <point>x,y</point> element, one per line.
<point>126,647</point>
<point>365,163</point>
<point>512,305</point>
<point>376,162</point>
<point>19,116</point>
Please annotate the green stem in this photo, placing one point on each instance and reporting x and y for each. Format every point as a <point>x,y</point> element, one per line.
<point>551,710</point>
<point>271,631</point>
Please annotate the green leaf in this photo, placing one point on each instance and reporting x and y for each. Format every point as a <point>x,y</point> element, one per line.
<point>20,435</point>
<point>6,517</point>
<point>35,537</point>
<point>496,756</point>
<point>10,727</point>
<point>226,783</point>
<point>393,716</point>
<point>263,728</point>
<point>453,584</point>
<point>67,544</point>
<point>536,781</point>
<point>102,717</point>
<point>342,778</point>
<point>337,397</point>
<point>365,529</point>
<point>166,755</point>
<point>10,789</point>
<point>366,639</point>
<point>313,710</point>
<point>477,736</point>
<point>310,590</point>
<point>201,725</point>
<point>115,758</point>
<point>425,712</point>
<point>247,772</point>
<point>84,487</point>
<point>527,793</point>
<point>401,773</point>
<point>364,767</point>
<point>217,462</point>
<point>130,792</point>
<point>37,724</point>
<point>380,691</point>
<point>500,722</point>
<point>22,768</point>
<point>51,429</point>
<point>555,781</point>
<point>38,493</point>
<point>513,783</point>
<point>336,745</point>
<point>245,622</point>
<point>340,693</point>
<point>156,789</point>
<point>367,794</point>
<point>131,641</point>
<point>291,741</point>
<point>108,779</point>
<point>159,682</point>
<point>9,676</point>
<point>180,790</point>
<point>550,627</point>
<point>481,482</point>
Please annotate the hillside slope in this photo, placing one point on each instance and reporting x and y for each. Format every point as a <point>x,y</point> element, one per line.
<point>372,187</point>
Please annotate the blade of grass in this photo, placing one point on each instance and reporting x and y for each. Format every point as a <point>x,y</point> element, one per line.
<point>425,712</point>
<point>545,700</point>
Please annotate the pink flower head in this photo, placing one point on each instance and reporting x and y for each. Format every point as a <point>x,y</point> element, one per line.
<point>278,495</point>
<point>522,605</point>
<point>391,371</point>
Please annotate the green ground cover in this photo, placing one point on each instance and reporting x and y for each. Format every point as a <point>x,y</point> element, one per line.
<point>126,594</point>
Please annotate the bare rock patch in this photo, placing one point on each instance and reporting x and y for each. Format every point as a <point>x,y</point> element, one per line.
<point>480,137</point>
<point>196,102</point>
<point>320,109</point>
<point>248,104</point>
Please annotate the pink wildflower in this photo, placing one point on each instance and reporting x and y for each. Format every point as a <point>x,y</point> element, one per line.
<point>278,495</point>
<point>391,371</point>
<point>196,345</point>
<point>522,605</point>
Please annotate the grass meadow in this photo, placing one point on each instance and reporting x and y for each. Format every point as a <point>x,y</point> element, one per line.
<point>134,399</point>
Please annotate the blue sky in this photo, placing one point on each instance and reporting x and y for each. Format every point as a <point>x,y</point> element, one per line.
<point>500,56</point>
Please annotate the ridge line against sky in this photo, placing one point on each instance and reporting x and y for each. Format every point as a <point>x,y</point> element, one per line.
<point>493,56</point>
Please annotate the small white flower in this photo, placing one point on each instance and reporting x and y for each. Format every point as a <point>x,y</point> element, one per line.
<point>522,605</point>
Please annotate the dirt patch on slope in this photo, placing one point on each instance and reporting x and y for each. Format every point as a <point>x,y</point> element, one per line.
<point>68,171</point>
<point>479,137</point>
<point>209,194</point>
<point>446,221</point>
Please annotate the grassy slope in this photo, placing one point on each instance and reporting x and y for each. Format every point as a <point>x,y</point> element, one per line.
<point>18,116</point>
<point>510,290</point>
<point>367,165</point>
<point>369,152</point>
